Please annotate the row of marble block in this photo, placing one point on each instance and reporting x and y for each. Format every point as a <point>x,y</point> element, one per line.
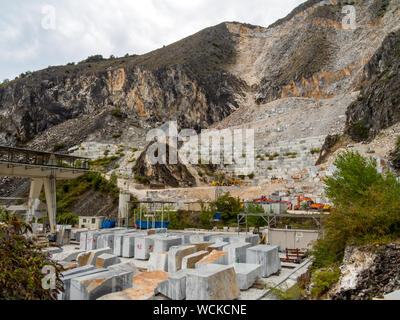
<point>213,280</point>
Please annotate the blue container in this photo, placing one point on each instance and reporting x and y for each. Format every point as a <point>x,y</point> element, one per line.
<point>107,224</point>
<point>217,217</point>
<point>157,225</point>
<point>144,224</point>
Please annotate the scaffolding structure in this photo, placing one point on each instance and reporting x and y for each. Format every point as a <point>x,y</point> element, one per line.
<point>271,219</point>
<point>153,210</point>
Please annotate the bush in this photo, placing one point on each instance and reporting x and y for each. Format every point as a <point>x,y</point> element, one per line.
<point>366,208</point>
<point>21,263</point>
<point>206,217</point>
<point>292,293</point>
<point>58,147</point>
<point>117,113</point>
<point>228,206</point>
<point>360,130</point>
<point>323,280</point>
<point>94,58</point>
<point>69,192</point>
<point>142,179</point>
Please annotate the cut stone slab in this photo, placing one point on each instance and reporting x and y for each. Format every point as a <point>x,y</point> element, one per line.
<point>92,287</point>
<point>52,250</point>
<point>247,274</point>
<point>267,257</point>
<point>163,244</point>
<point>105,241</point>
<point>133,294</point>
<point>175,286</point>
<point>219,238</point>
<point>90,257</point>
<point>236,252</point>
<point>185,238</point>
<point>156,231</point>
<point>74,273</point>
<point>149,280</point>
<point>91,240</point>
<point>143,247</point>
<point>128,246</point>
<point>199,238</point>
<point>105,260</point>
<point>125,266</point>
<point>201,246</point>
<point>217,246</point>
<point>67,256</point>
<point>82,241</point>
<point>189,262</point>
<point>253,239</point>
<point>215,257</point>
<point>117,248</point>
<point>68,265</point>
<point>144,287</point>
<point>158,261</point>
<point>76,233</point>
<point>176,255</point>
<point>212,282</point>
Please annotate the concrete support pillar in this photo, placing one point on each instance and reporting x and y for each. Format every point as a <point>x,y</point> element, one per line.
<point>34,194</point>
<point>50,191</point>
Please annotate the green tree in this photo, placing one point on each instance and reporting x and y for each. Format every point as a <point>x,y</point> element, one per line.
<point>22,262</point>
<point>228,206</point>
<point>366,208</point>
<point>206,216</point>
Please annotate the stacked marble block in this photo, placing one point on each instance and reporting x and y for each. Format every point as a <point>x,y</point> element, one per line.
<point>218,269</point>
<point>90,283</point>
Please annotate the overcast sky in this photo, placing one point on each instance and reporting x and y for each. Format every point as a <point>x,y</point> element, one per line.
<point>35,34</point>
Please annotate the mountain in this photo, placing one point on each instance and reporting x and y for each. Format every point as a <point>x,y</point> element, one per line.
<point>301,79</point>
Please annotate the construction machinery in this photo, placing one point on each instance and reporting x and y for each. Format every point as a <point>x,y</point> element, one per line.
<point>309,204</point>
<point>157,187</point>
<point>233,182</point>
<point>265,199</point>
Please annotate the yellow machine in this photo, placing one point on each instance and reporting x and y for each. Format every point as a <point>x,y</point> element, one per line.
<point>232,182</point>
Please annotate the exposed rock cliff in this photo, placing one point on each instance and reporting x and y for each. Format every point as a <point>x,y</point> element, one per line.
<point>184,82</point>
<point>368,272</point>
<point>378,106</point>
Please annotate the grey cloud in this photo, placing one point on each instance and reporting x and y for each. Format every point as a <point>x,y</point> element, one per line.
<point>117,27</point>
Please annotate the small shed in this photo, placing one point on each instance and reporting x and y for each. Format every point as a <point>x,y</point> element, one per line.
<point>91,223</point>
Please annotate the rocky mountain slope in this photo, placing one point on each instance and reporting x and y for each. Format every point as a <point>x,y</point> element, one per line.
<point>378,105</point>
<point>294,79</point>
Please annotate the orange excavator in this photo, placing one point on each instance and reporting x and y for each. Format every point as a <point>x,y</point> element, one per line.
<point>265,199</point>
<point>311,205</point>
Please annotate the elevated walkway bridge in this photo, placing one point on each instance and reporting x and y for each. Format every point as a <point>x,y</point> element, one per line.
<point>44,169</point>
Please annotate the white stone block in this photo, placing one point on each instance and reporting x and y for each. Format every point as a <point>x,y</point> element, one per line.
<point>267,257</point>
